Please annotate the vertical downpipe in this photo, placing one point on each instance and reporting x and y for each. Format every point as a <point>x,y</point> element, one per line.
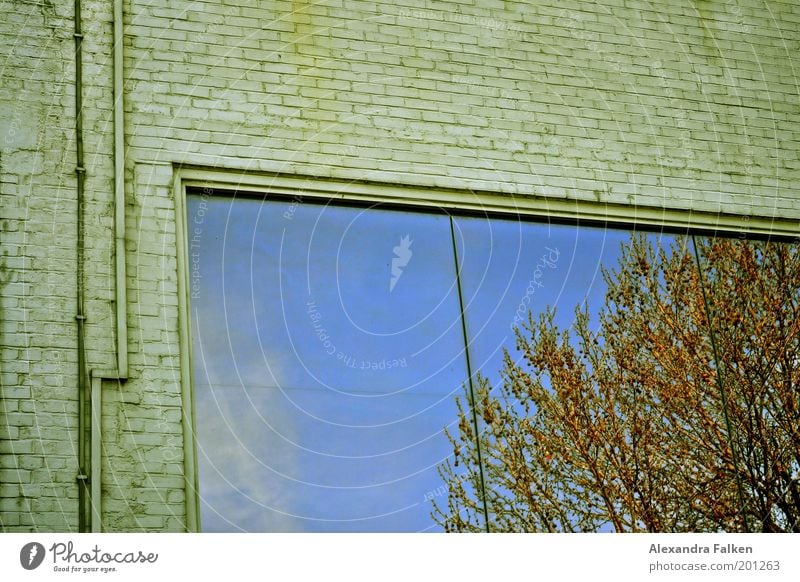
<point>80,317</point>
<point>119,199</point>
<point>89,395</point>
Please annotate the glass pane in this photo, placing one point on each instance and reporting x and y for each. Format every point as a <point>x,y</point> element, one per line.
<point>510,268</point>
<point>327,354</point>
<point>549,415</point>
<point>749,366</point>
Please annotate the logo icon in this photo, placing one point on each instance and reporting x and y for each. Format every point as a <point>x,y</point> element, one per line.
<point>402,255</point>
<point>31,555</point>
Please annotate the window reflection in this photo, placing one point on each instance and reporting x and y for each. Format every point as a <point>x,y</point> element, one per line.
<point>510,268</point>
<point>328,350</point>
<point>327,355</point>
<point>746,306</point>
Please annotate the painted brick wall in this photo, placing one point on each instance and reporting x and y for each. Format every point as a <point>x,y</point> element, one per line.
<point>686,104</point>
<point>37,272</point>
<point>142,453</point>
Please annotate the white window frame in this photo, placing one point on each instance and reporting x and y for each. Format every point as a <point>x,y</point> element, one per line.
<point>539,208</point>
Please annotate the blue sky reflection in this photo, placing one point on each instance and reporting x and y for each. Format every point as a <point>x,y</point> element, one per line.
<point>322,388</point>
<point>328,350</point>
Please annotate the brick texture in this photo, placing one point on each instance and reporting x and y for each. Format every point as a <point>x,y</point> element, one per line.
<point>682,105</point>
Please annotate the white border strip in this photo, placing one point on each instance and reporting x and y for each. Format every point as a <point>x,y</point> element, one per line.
<point>534,207</point>
<point>540,208</point>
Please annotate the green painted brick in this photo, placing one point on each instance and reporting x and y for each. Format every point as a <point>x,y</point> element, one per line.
<point>554,98</point>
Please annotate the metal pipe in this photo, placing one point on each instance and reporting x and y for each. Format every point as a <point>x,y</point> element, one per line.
<point>90,405</point>
<point>80,317</point>
<point>95,524</point>
<point>119,198</point>
<point>121,373</point>
<point>95,477</point>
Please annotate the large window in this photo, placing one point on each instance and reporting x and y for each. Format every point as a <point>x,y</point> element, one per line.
<point>330,344</point>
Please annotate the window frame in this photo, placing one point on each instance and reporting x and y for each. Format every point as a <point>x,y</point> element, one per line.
<point>528,208</point>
